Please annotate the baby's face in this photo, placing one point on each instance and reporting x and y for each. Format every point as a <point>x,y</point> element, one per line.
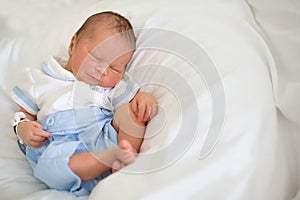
<point>101,59</point>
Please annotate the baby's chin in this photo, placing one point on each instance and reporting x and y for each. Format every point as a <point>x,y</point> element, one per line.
<point>96,82</point>
<point>107,83</point>
<point>104,85</point>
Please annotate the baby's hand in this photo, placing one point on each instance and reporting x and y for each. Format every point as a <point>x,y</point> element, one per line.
<point>144,106</point>
<point>32,133</point>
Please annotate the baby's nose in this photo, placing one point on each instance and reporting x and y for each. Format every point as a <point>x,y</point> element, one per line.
<point>102,70</point>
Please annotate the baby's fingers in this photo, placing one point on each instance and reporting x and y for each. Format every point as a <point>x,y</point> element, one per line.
<point>37,144</point>
<point>141,112</point>
<point>134,107</point>
<point>38,138</point>
<point>37,125</point>
<point>149,113</point>
<point>42,133</point>
<point>153,111</point>
<point>39,130</point>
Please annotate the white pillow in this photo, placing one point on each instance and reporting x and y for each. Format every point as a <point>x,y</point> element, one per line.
<point>279,21</point>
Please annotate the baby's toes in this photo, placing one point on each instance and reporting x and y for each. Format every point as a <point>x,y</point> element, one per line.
<point>129,158</point>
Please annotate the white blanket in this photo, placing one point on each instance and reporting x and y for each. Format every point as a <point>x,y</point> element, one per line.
<point>218,134</point>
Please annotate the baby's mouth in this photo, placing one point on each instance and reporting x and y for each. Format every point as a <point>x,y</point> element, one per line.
<point>97,81</point>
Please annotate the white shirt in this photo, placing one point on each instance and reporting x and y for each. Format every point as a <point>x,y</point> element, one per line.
<point>54,89</point>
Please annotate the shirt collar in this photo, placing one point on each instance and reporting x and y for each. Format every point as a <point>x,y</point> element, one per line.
<point>54,68</point>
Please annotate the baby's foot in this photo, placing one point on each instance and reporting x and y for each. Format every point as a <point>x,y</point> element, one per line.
<point>117,165</point>
<point>126,154</point>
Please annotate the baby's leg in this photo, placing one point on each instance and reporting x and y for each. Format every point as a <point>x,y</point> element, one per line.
<point>126,152</point>
<point>128,127</point>
<point>130,137</point>
<point>126,155</point>
<point>90,165</point>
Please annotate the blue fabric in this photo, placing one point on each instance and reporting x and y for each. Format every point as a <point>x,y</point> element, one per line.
<point>48,71</point>
<point>25,99</point>
<point>127,92</point>
<point>73,131</point>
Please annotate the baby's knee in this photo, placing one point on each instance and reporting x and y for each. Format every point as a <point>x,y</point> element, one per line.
<point>126,120</point>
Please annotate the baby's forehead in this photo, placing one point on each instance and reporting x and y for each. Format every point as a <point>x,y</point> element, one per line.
<point>113,47</point>
<point>112,39</point>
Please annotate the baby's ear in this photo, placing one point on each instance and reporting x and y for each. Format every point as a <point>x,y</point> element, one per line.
<point>72,45</point>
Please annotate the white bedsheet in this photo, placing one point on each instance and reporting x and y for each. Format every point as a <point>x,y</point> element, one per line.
<point>255,155</point>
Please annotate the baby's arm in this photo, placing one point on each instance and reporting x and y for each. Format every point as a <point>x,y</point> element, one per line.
<point>144,106</point>
<point>31,132</point>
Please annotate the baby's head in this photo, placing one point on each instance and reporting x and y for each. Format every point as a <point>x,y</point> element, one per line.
<point>100,50</point>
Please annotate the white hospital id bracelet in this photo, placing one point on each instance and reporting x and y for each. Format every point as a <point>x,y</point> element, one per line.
<point>18,117</point>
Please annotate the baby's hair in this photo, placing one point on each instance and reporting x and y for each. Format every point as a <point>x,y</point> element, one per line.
<point>113,21</point>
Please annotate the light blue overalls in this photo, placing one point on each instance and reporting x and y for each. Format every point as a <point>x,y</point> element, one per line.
<point>73,131</point>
